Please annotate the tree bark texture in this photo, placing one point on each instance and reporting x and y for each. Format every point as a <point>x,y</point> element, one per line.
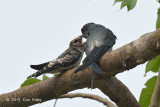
<point>155,100</point>
<point>90,96</point>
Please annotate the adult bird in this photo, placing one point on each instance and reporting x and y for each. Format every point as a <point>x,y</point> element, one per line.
<point>67,60</point>
<point>99,41</point>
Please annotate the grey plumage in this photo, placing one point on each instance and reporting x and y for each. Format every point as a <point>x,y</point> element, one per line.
<point>67,60</point>
<point>99,41</point>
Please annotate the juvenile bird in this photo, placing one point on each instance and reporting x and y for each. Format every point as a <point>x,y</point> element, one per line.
<point>67,60</point>
<point>99,41</point>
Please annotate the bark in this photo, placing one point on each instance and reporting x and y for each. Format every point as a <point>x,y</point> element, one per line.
<point>155,100</point>
<point>90,96</point>
<point>117,92</point>
<point>131,54</point>
<point>112,63</point>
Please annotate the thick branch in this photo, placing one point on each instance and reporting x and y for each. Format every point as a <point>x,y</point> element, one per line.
<point>117,92</point>
<point>132,54</point>
<point>47,89</point>
<point>90,96</point>
<point>119,60</point>
<point>155,100</point>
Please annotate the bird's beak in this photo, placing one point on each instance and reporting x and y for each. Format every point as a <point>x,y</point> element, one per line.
<point>82,36</point>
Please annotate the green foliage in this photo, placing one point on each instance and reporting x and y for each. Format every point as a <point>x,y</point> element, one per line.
<point>118,1</point>
<point>35,80</point>
<point>29,82</point>
<point>146,93</point>
<point>158,19</point>
<point>129,3</point>
<point>44,77</point>
<point>123,4</point>
<point>153,65</point>
<point>56,74</point>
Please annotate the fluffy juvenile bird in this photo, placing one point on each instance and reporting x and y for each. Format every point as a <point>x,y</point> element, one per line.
<point>67,60</point>
<point>99,41</point>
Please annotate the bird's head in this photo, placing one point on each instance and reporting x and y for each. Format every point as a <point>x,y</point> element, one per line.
<point>77,42</point>
<point>86,28</point>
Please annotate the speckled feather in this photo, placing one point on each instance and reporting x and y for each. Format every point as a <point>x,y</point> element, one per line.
<point>69,59</point>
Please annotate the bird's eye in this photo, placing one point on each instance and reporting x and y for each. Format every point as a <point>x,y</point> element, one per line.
<point>75,41</point>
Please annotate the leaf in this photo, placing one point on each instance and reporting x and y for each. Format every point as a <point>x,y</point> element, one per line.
<point>147,92</point>
<point>56,74</point>
<point>130,4</point>
<point>44,77</point>
<point>117,1</point>
<point>123,4</point>
<point>29,82</point>
<point>158,19</point>
<point>153,65</point>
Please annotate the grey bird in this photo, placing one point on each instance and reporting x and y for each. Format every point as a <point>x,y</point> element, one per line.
<point>69,59</point>
<point>99,41</point>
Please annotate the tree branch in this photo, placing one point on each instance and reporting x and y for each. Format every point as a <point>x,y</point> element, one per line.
<point>132,54</point>
<point>90,96</point>
<point>112,63</point>
<point>155,100</point>
<point>117,92</point>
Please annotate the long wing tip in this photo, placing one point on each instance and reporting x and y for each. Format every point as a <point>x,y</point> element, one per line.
<point>101,73</point>
<point>36,67</point>
<point>78,69</point>
<point>32,66</point>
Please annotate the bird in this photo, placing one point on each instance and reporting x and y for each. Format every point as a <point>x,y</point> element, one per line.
<point>69,59</point>
<point>99,41</point>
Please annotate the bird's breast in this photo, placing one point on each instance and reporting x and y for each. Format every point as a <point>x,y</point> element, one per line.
<point>92,42</point>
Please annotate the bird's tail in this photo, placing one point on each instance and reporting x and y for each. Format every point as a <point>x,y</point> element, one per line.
<point>96,69</point>
<point>36,74</point>
<point>40,66</point>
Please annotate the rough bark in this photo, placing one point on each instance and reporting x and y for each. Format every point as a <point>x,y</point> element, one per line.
<point>90,96</point>
<point>155,100</point>
<point>131,54</point>
<point>117,92</point>
<point>112,63</point>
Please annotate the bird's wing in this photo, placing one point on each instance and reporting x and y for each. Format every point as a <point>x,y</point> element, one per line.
<point>45,69</point>
<point>63,62</point>
<point>93,56</point>
<point>90,58</point>
<point>70,58</point>
<point>110,38</point>
<point>39,67</point>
